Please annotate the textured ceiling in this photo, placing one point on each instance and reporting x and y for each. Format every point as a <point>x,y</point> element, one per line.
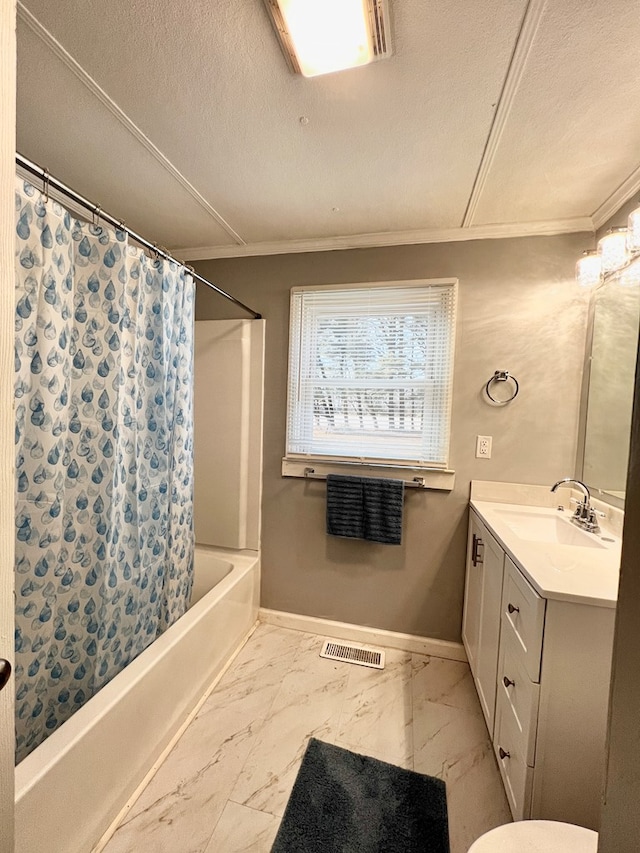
<point>491,118</point>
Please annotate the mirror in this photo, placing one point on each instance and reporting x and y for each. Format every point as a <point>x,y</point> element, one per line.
<point>614,347</point>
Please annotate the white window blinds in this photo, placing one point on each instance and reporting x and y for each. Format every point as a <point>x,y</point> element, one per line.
<point>370,373</point>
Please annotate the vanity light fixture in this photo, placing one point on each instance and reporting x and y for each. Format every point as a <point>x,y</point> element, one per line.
<point>589,269</point>
<point>633,231</point>
<point>321,36</point>
<point>617,257</point>
<point>630,276</point>
<point>613,249</point>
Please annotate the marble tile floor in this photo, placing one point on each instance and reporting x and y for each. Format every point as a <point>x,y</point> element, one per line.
<point>224,786</point>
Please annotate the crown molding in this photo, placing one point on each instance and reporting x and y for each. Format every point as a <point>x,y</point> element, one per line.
<point>517,64</point>
<point>87,80</point>
<point>626,190</point>
<point>390,238</point>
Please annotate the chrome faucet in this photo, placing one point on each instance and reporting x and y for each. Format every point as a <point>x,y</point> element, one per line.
<point>585,515</point>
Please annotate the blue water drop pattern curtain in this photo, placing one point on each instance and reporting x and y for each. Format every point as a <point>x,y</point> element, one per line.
<point>104,458</point>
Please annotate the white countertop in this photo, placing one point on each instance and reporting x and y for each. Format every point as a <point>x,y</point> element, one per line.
<point>564,572</point>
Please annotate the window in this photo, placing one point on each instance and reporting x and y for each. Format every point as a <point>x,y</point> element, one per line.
<point>370,373</point>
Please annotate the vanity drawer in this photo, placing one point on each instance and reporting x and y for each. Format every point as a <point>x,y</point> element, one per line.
<point>517,776</point>
<point>523,617</point>
<point>519,696</point>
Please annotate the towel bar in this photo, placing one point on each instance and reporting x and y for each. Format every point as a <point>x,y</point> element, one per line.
<point>416,483</point>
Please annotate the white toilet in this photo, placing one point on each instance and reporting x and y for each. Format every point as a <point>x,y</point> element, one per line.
<point>537,836</point>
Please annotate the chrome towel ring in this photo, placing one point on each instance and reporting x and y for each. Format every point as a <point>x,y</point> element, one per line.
<point>502,376</point>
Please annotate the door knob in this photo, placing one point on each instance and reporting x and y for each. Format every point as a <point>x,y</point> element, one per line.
<point>5,672</point>
<point>508,682</point>
<point>503,753</point>
<point>512,608</point>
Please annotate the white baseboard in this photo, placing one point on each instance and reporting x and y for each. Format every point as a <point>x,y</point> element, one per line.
<point>362,634</point>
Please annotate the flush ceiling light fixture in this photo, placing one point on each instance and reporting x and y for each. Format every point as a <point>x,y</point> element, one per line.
<point>321,36</point>
<point>618,255</point>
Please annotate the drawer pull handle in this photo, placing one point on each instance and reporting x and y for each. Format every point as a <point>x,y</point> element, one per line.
<point>503,754</point>
<point>508,682</point>
<point>512,608</point>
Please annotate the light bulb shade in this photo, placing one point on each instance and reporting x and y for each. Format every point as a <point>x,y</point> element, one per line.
<point>633,231</point>
<point>589,269</point>
<point>630,276</point>
<point>327,35</point>
<point>612,249</point>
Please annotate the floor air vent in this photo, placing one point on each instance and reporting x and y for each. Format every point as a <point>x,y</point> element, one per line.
<point>352,654</point>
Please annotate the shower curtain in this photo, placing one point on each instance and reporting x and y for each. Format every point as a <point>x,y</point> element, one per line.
<point>104,457</point>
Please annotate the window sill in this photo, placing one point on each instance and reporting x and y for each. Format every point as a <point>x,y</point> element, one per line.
<point>432,478</point>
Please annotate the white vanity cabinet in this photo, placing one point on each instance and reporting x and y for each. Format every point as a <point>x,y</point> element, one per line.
<point>481,615</point>
<point>551,686</point>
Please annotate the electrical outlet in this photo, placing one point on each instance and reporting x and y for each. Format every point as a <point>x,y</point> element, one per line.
<point>483,446</point>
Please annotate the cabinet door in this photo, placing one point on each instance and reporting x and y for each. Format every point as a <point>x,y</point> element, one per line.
<point>473,592</point>
<point>481,616</point>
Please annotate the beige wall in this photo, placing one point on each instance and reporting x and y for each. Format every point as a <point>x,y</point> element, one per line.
<point>518,310</point>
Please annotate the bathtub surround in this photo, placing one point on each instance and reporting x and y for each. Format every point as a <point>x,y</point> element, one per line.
<point>104,458</point>
<point>518,310</point>
<point>228,400</point>
<point>81,777</point>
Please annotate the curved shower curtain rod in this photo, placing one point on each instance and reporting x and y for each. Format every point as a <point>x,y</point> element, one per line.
<point>50,182</point>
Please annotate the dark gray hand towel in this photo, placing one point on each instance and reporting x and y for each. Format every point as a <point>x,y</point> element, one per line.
<point>383,505</point>
<point>365,508</point>
<point>345,506</point>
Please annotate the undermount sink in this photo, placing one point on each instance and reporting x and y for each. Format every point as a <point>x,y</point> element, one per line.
<point>543,527</point>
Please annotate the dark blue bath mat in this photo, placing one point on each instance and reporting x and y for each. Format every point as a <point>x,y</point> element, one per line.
<point>347,803</point>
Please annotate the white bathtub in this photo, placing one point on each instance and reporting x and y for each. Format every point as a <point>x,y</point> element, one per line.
<point>73,785</point>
